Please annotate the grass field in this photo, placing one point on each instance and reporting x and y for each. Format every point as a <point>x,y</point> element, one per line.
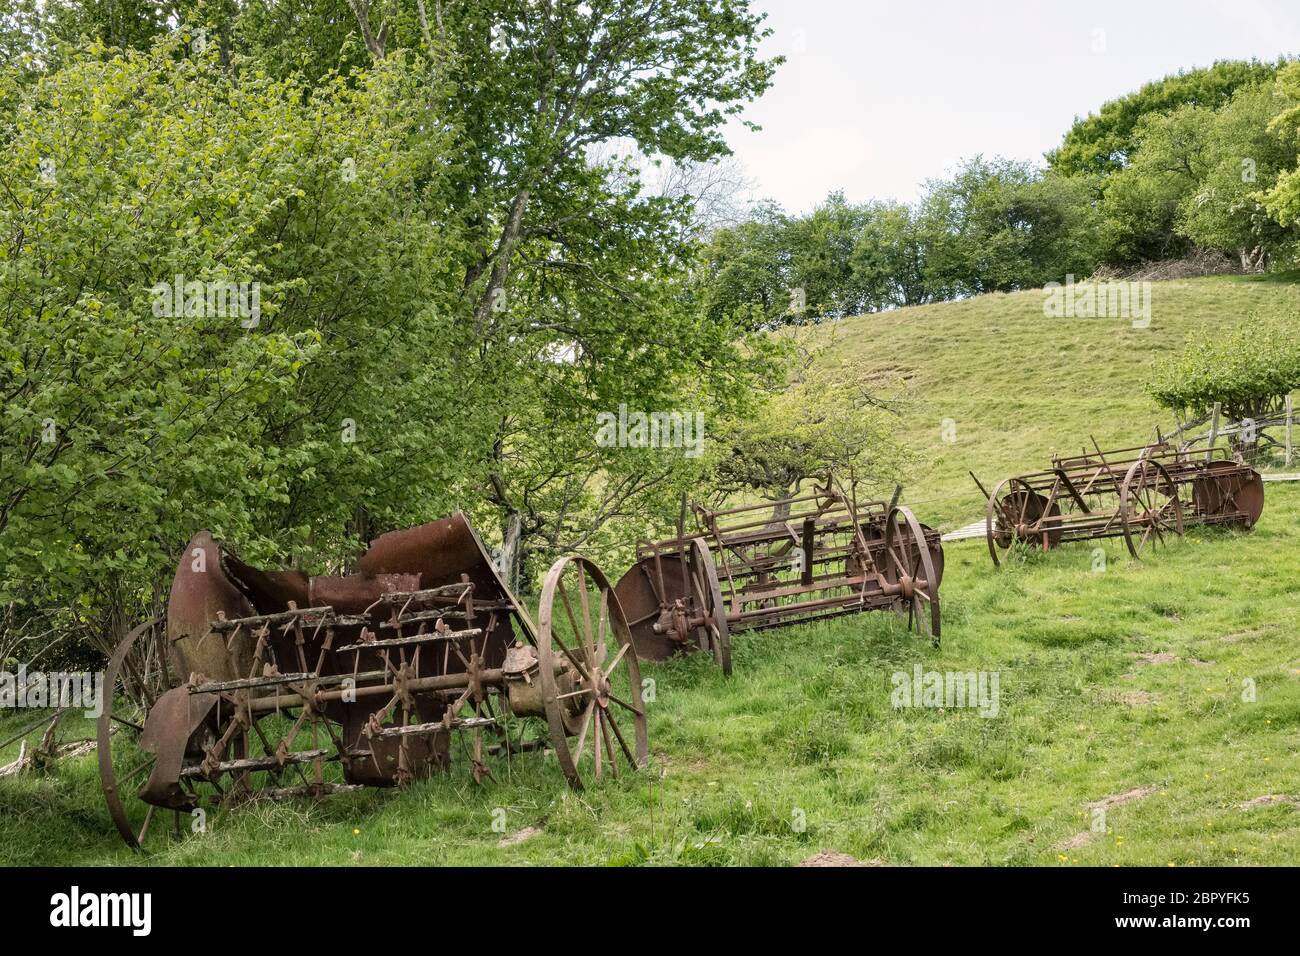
<point>1121,690</point>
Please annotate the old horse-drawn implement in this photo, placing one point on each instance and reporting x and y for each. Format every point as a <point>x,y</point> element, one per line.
<point>303,686</point>
<point>1145,495</point>
<point>815,555</point>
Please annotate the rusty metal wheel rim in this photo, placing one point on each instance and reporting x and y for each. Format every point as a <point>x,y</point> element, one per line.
<point>1150,475</point>
<point>906,553</point>
<point>108,776</point>
<point>1013,507</point>
<point>603,646</point>
<point>713,609</point>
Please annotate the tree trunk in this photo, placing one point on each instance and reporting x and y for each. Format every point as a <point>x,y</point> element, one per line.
<point>508,559</point>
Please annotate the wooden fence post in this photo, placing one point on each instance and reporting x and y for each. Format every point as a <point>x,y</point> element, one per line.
<point>1288,431</point>
<point>1214,433</point>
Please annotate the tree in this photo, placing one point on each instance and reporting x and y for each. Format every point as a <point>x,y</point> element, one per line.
<point>892,257</point>
<point>998,225</point>
<point>547,249</point>
<point>1144,201</point>
<point>139,406</point>
<point>1103,142</point>
<point>1282,198</point>
<point>744,275</point>
<point>829,413</point>
<point>1247,368</point>
<point>716,192</point>
<point>1245,156</point>
<point>555,250</point>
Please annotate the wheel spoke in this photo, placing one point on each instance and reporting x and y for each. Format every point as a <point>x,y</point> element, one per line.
<point>582,735</point>
<point>602,625</point>
<point>144,829</point>
<point>584,599</point>
<point>893,555</point>
<point>569,654</point>
<point>135,771</point>
<point>568,610</point>
<point>631,758</point>
<point>609,745</point>
<point>624,704</point>
<point>617,657</point>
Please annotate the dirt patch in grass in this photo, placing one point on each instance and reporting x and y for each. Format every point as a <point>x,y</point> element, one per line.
<point>1138,698</point>
<point>1164,657</point>
<point>1160,657</point>
<point>1265,800</point>
<point>1118,799</point>
<point>1076,841</point>
<point>1235,636</point>
<point>831,858</point>
<point>519,836</point>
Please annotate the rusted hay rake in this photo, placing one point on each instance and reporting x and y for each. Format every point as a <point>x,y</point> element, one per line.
<point>306,686</point>
<point>1146,495</point>
<point>803,558</point>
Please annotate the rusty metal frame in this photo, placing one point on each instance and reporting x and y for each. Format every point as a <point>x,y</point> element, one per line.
<point>811,556</point>
<point>376,689</point>
<point>1144,494</point>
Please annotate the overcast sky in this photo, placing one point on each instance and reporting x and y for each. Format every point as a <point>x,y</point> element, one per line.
<point>876,97</point>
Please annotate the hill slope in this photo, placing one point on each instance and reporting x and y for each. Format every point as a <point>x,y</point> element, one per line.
<point>1148,713</point>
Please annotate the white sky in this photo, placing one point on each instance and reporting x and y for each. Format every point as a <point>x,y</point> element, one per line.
<point>876,97</point>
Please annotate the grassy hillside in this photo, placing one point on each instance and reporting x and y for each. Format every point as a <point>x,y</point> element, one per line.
<point>1120,690</point>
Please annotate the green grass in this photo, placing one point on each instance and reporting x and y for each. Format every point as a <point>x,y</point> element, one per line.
<point>805,730</point>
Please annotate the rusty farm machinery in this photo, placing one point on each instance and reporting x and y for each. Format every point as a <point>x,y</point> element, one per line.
<point>1147,495</point>
<point>304,686</point>
<point>815,555</point>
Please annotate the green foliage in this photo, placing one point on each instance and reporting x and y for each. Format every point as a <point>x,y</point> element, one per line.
<point>1247,368</point>
<point>995,226</point>
<point>1246,155</point>
<point>566,256</point>
<point>126,427</point>
<point>1196,179</point>
<point>744,276</point>
<point>892,258</point>
<point>455,275</point>
<point>1282,199</point>
<point>1103,142</point>
<point>1002,226</point>
<point>1142,202</point>
<point>828,415</point>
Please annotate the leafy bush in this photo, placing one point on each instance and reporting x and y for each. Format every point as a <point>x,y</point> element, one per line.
<point>126,426</point>
<point>1246,368</point>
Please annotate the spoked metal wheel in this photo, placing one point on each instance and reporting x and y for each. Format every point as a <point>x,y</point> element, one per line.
<point>223,754</point>
<point>907,565</point>
<point>1013,514</point>
<point>708,597</point>
<point>581,624</point>
<point>120,777</point>
<point>1151,509</point>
